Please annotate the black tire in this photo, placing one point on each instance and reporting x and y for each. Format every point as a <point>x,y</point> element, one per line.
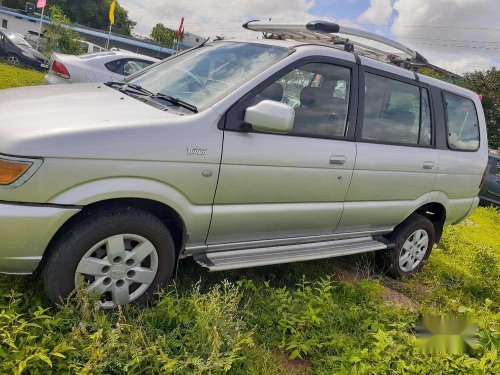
<point>387,261</point>
<point>11,57</point>
<point>69,248</point>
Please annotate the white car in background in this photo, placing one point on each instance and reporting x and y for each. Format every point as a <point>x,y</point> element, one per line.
<point>95,67</point>
<point>91,47</point>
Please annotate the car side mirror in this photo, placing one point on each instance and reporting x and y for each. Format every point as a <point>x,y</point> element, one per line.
<point>270,116</point>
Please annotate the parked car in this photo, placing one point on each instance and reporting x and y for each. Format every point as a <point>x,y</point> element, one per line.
<point>18,51</point>
<point>91,47</point>
<point>490,193</point>
<point>200,156</point>
<point>95,67</point>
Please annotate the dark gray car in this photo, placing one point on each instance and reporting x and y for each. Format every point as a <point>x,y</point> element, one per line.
<point>17,51</point>
<point>490,193</point>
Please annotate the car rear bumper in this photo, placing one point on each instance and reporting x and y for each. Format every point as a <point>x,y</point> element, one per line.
<point>25,232</point>
<point>52,79</point>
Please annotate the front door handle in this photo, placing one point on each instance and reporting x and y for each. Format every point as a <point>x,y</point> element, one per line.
<point>338,160</point>
<point>428,165</point>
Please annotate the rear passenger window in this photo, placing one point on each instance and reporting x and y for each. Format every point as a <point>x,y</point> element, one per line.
<point>396,112</point>
<point>462,123</point>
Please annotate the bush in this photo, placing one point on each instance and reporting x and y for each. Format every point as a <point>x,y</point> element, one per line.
<point>59,37</point>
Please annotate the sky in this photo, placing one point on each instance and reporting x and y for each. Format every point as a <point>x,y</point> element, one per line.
<point>458,35</point>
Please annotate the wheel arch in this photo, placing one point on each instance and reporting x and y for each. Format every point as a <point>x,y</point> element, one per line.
<point>436,213</point>
<point>169,216</point>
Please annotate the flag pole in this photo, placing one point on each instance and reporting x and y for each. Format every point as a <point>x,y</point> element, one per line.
<point>39,30</point>
<point>109,36</point>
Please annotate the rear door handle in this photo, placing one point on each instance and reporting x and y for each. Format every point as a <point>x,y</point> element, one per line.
<point>428,165</point>
<point>338,160</point>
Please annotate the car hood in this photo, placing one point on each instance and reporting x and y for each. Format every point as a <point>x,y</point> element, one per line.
<point>76,121</point>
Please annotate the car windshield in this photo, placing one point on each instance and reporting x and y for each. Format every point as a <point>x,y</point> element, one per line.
<point>16,39</point>
<point>206,74</point>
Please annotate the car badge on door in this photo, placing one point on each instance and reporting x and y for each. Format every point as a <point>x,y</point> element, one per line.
<point>196,151</point>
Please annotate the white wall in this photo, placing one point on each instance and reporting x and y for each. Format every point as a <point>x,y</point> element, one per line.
<point>17,25</point>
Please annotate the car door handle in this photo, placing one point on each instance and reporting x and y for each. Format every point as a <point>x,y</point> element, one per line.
<point>428,165</point>
<point>338,160</point>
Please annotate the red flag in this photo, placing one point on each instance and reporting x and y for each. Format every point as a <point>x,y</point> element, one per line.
<point>180,29</point>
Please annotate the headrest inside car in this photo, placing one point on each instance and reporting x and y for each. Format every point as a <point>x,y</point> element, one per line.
<point>273,92</point>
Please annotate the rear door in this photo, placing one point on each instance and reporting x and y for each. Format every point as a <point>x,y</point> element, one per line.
<point>278,186</point>
<point>396,159</point>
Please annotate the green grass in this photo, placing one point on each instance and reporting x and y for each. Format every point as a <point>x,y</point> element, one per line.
<point>11,76</point>
<point>286,319</point>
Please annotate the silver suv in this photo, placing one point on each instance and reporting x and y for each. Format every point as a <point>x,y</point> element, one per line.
<point>239,154</point>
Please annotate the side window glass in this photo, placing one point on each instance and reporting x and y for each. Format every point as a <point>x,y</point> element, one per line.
<point>132,66</point>
<point>114,66</point>
<point>395,112</point>
<point>462,122</point>
<point>319,94</point>
<point>497,172</point>
<point>424,137</point>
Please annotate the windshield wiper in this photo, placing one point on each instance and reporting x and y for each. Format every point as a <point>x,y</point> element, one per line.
<point>125,87</point>
<point>175,101</point>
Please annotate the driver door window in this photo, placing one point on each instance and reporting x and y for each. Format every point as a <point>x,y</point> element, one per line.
<point>319,94</point>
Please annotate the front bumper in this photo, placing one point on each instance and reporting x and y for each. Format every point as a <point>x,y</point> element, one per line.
<point>25,232</point>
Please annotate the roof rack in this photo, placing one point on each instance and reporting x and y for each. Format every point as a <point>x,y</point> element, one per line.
<point>323,32</point>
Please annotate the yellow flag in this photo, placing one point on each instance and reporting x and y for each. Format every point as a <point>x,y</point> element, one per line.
<point>112,12</point>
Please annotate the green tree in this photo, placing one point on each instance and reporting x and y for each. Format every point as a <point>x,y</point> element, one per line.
<point>163,35</point>
<point>487,84</point>
<point>59,37</point>
<point>95,14</point>
<point>14,4</point>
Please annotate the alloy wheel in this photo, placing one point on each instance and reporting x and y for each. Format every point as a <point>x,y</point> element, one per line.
<point>119,269</point>
<point>13,60</point>
<point>413,250</point>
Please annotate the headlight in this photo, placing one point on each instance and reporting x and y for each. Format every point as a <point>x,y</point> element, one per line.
<point>16,171</point>
<point>28,54</point>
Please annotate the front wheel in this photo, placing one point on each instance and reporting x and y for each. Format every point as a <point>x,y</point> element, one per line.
<point>13,60</point>
<point>123,256</point>
<point>413,241</point>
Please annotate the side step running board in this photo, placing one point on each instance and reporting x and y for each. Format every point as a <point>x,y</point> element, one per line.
<point>233,259</point>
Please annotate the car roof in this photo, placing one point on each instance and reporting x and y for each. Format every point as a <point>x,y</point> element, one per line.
<point>117,53</point>
<point>365,61</point>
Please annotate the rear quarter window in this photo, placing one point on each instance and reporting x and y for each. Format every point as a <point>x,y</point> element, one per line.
<point>462,123</point>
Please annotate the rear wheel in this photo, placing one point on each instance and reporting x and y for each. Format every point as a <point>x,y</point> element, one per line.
<point>13,60</point>
<point>413,241</point>
<point>122,256</point>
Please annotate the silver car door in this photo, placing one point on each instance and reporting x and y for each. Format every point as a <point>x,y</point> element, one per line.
<point>274,186</point>
<point>396,159</point>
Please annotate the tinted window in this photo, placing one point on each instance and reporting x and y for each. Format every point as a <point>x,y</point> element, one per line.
<point>319,94</point>
<point>462,122</point>
<point>396,112</point>
<point>113,66</point>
